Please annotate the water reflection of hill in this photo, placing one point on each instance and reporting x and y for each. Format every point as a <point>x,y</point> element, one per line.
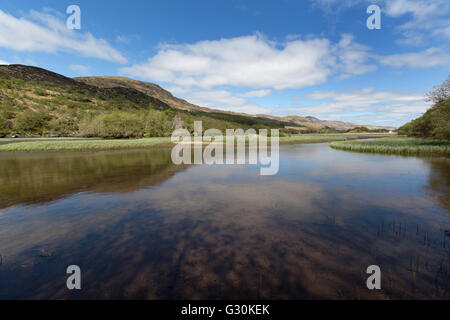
<point>39,178</point>
<point>439,181</point>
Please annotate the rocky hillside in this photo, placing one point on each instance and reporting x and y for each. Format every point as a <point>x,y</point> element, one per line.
<point>148,88</point>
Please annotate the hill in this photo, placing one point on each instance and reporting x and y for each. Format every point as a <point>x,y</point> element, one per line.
<point>35,101</point>
<point>297,123</point>
<point>148,88</point>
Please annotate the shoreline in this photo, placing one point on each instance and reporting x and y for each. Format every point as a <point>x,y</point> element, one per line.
<point>69,144</point>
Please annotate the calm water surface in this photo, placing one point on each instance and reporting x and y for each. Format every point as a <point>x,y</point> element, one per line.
<point>140,227</point>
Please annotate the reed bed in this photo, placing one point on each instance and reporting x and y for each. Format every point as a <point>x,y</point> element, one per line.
<point>80,144</point>
<point>396,145</point>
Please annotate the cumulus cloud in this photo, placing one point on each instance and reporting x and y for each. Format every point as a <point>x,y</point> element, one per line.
<point>220,99</point>
<point>47,32</point>
<point>364,106</point>
<point>3,62</point>
<point>251,62</point>
<point>256,93</point>
<point>248,61</point>
<point>424,59</point>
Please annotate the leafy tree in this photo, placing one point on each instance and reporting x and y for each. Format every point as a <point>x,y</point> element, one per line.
<point>435,123</point>
<point>440,92</point>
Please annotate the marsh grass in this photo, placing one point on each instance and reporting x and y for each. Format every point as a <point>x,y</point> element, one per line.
<point>82,144</point>
<point>396,145</point>
<point>4,140</point>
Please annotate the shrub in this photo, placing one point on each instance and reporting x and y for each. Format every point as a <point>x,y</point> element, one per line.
<point>157,124</point>
<point>113,125</point>
<point>31,122</point>
<point>5,124</point>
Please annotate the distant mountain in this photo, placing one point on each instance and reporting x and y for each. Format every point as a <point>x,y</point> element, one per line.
<point>339,125</point>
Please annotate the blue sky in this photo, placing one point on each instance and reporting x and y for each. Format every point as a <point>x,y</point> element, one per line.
<point>285,57</point>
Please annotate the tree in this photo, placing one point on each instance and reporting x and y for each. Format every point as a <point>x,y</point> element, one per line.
<point>435,122</point>
<point>440,92</point>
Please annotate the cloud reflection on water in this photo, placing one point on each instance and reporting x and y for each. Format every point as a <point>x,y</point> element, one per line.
<point>227,232</point>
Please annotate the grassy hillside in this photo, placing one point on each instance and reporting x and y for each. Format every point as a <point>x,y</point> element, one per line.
<point>35,101</point>
<point>292,124</point>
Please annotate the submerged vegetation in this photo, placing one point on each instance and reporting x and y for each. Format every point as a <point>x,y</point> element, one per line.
<point>396,145</point>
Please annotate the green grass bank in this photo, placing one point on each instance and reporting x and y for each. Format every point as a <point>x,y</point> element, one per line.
<point>396,145</point>
<point>71,144</point>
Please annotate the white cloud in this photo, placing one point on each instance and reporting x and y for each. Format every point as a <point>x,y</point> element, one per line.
<point>3,62</point>
<point>79,68</point>
<point>253,62</point>
<point>248,61</point>
<point>46,32</point>
<point>352,57</point>
<point>364,106</point>
<point>419,9</point>
<point>428,58</point>
<point>256,93</point>
<point>220,99</point>
<point>427,18</point>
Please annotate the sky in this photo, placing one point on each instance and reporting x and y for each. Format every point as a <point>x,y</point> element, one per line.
<point>286,57</point>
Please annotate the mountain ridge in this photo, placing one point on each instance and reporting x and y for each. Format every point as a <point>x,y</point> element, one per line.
<point>162,94</point>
